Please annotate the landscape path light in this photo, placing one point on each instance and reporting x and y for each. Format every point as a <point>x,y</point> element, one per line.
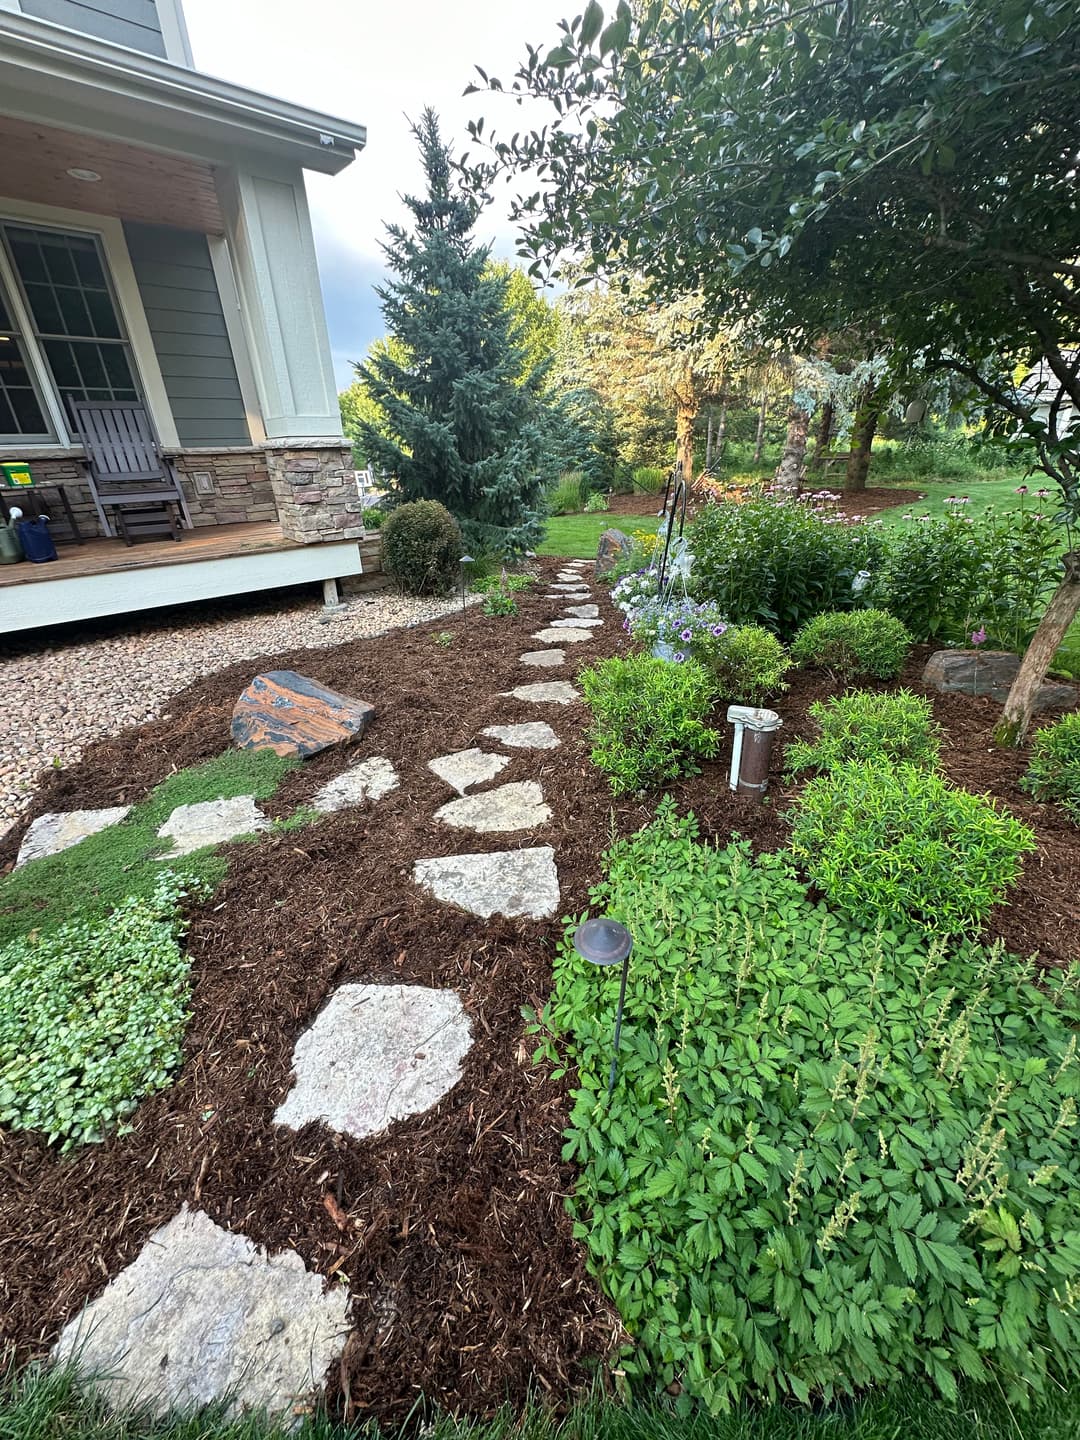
<point>465,560</point>
<point>605,942</point>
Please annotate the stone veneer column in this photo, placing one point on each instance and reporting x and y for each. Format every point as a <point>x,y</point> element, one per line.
<point>315,492</point>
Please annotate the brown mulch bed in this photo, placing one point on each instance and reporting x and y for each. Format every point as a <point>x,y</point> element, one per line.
<point>867,502</point>
<point>450,1230</point>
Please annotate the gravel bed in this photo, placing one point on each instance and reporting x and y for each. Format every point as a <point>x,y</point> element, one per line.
<point>101,677</point>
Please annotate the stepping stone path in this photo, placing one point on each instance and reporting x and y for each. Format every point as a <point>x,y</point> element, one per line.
<point>550,692</point>
<point>49,834</point>
<point>202,1313</point>
<point>583,612</point>
<point>508,807</point>
<point>468,767</point>
<point>568,577</point>
<point>515,883</point>
<point>367,780</point>
<point>375,1054</point>
<point>560,637</point>
<point>579,587</point>
<point>211,822</point>
<point>533,735</point>
<point>544,659</point>
<point>577,623</point>
<point>292,715</point>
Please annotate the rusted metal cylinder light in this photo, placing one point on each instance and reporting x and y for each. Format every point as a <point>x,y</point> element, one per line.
<point>752,748</point>
<point>605,942</point>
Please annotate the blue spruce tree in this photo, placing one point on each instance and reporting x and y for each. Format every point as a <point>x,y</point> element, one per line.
<point>462,427</point>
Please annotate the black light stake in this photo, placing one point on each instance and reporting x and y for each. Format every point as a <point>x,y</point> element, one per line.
<point>606,942</point>
<point>465,560</point>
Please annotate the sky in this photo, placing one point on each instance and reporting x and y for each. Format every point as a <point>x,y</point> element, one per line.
<point>379,64</point>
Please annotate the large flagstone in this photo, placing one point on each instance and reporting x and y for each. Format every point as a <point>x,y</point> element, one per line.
<point>514,883</point>
<point>519,806</point>
<point>49,834</point>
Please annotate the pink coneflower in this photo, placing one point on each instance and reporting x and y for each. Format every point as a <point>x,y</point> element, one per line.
<point>978,637</point>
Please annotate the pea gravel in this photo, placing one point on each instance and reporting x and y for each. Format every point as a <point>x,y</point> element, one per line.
<point>96,679</point>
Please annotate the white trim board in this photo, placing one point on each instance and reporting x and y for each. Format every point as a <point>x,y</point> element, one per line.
<point>128,592</point>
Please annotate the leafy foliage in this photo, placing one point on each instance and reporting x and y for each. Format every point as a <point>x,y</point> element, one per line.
<point>422,548</point>
<point>458,424</point>
<point>864,725</point>
<point>596,504</point>
<point>930,576</point>
<point>899,844</point>
<point>499,602</point>
<point>747,662</point>
<point>569,495</point>
<point>649,480</point>
<point>92,1016</point>
<point>832,1157</point>
<point>1053,772</point>
<point>859,642</point>
<point>648,719</point>
<point>776,563</point>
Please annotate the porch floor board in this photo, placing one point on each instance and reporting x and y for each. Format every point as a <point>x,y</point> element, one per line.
<point>104,557</point>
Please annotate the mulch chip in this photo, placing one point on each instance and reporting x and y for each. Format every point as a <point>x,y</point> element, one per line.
<point>449,1229</point>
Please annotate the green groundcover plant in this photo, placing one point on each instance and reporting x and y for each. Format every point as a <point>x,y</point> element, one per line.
<point>864,725</point>
<point>833,1157</point>
<point>853,643</point>
<point>1054,769</point>
<point>92,1017</point>
<point>648,719</point>
<point>886,843</point>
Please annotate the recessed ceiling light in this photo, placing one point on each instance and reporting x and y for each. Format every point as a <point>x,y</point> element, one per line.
<point>78,173</point>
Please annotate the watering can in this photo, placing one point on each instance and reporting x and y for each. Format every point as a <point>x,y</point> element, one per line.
<point>10,549</point>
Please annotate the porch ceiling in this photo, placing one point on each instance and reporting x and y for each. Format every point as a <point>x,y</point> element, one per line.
<point>135,184</point>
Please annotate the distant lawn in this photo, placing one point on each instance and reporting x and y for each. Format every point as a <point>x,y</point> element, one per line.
<point>577,536</point>
<point>982,495</point>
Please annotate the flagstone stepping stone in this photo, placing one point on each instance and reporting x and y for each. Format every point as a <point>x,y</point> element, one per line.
<point>49,834</point>
<point>210,822</point>
<point>375,1054</point>
<point>570,636</point>
<point>583,612</point>
<point>514,883</point>
<point>292,715</point>
<point>568,577</point>
<point>577,624</point>
<point>468,767</point>
<point>570,595</point>
<point>519,806</point>
<point>202,1313</point>
<point>578,589</point>
<point>544,658</point>
<point>553,692</point>
<point>533,735</point>
<point>369,779</point>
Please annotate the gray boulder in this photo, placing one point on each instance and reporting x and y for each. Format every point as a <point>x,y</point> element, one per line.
<point>991,672</point>
<point>614,546</point>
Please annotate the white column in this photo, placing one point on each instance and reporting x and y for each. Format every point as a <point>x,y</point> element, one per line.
<point>281,304</point>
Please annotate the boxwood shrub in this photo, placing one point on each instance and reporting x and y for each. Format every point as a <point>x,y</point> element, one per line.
<point>833,1156</point>
<point>422,548</point>
<point>858,642</point>
<point>888,843</point>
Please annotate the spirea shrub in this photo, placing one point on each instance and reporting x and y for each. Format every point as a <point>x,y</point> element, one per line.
<point>422,548</point>
<point>864,725</point>
<point>854,643</point>
<point>898,844</point>
<point>92,1017</point>
<point>648,719</point>
<point>833,1157</point>
<point>1054,770</point>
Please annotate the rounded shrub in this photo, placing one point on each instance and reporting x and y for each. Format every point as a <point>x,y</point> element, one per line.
<point>749,664</point>
<point>1054,769</point>
<point>421,548</point>
<point>888,844</point>
<point>851,643</point>
<point>833,1158</point>
<point>867,726</point>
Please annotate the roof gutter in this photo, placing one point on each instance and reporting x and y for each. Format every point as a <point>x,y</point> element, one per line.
<point>38,47</point>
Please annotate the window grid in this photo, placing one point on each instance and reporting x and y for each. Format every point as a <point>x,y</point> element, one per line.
<point>22,417</point>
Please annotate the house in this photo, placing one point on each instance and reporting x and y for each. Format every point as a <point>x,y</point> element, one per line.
<point>155,245</point>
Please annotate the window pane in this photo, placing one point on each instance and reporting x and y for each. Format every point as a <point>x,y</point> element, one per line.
<point>5,322</point>
<point>44,309</point>
<point>63,367</point>
<point>103,320</point>
<point>58,261</point>
<point>74,312</point>
<point>20,412</point>
<point>7,416</point>
<point>117,368</point>
<point>28,417</point>
<point>28,257</point>
<point>88,264</point>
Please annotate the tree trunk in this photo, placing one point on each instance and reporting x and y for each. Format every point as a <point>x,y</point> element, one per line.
<point>685,416</point>
<point>1063,609</point>
<point>760,441</point>
<point>790,470</point>
<point>867,414</point>
<point>708,445</point>
<point>721,431</point>
<point>823,438</point>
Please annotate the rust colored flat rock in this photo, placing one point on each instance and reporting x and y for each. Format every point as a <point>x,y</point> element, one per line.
<point>292,715</point>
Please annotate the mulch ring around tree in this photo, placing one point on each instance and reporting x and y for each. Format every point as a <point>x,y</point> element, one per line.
<point>449,1229</point>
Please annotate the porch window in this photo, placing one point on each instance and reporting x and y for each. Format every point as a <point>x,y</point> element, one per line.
<point>21,415</point>
<point>74,317</point>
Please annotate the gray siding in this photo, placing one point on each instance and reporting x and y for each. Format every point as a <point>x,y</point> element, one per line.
<point>183,309</point>
<point>133,23</point>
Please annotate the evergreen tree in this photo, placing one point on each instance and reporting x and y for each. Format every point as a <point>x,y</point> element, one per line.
<point>459,426</point>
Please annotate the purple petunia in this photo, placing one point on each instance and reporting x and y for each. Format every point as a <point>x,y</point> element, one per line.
<point>719,630</point>
<point>686,634</point>
<point>678,657</point>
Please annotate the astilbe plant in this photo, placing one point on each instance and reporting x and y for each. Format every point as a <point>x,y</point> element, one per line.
<point>833,1156</point>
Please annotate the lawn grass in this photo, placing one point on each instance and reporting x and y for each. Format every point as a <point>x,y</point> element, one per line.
<point>51,1405</point>
<point>90,879</point>
<point>577,536</point>
<point>983,495</point>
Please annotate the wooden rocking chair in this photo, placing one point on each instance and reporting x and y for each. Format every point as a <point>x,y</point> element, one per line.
<point>126,470</point>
